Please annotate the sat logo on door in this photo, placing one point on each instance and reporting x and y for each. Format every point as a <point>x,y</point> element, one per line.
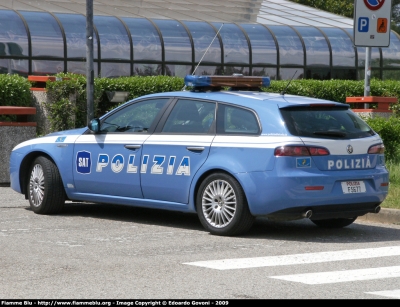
<point>83,162</point>
<point>374,5</point>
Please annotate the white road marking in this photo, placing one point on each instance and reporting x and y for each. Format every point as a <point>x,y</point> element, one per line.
<point>297,259</point>
<point>388,293</point>
<point>342,276</point>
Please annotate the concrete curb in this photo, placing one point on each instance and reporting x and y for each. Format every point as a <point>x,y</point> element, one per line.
<point>385,216</point>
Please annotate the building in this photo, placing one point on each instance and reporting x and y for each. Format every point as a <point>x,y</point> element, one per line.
<point>277,38</point>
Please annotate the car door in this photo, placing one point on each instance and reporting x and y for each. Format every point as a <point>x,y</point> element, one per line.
<point>107,163</point>
<point>172,156</point>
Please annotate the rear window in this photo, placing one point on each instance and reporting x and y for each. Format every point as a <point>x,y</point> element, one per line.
<point>325,122</point>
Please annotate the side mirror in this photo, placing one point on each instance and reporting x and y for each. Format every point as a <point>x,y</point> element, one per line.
<point>94,125</point>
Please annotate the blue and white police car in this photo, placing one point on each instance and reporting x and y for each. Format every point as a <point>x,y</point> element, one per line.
<point>228,155</point>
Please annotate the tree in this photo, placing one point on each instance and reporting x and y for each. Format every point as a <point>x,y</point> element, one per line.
<point>346,8</point>
<point>339,7</point>
<point>396,11</point>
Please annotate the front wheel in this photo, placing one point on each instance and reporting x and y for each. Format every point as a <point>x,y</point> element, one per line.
<point>222,207</point>
<point>334,223</point>
<point>46,192</point>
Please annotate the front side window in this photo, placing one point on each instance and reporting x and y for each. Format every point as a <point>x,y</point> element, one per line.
<point>233,120</point>
<point>190,116</point>
<point>325,122</point>
<point>137,117</point>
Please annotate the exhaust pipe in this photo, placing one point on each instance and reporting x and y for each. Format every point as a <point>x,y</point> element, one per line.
<point>377,209</point>
<point>307,214</point>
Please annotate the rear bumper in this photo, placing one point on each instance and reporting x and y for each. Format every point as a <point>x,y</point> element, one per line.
<point>325,212</point>
<point>269,193</point>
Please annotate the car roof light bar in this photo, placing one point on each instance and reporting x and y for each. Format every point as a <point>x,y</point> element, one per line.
<point>215,82</point>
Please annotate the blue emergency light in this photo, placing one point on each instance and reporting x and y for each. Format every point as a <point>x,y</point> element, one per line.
<point>234,82</point>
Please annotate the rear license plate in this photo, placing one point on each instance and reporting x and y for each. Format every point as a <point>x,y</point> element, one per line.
<point>350,187</point>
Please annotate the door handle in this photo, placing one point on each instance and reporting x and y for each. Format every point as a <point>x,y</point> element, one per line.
<point>132,147</point>
<point>195,148</point>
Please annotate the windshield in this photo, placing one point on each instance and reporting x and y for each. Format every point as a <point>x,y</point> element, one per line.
<point>325,122</point>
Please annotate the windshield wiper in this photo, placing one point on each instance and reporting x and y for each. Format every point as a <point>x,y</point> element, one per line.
<point>330,133</point>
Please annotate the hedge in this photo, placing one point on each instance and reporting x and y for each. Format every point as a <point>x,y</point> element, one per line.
<point>389,131</point>
<point>73,87</point>
<point>337,90</point>
<point>14,91</point>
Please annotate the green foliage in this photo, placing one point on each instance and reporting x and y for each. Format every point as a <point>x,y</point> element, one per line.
<point>339,7</point>
<point>396,12</point>
<point>394,173</point>
<point>136,86</point>
<point>338,90</point>
<point>389,130</point>
<point>346,8</point>
<point>392,200</point>
<point>71,90</point>
<point>15,91</point>
<point>335,90</point>
<point>63,113</point>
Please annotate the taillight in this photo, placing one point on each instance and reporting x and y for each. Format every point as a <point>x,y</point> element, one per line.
<point>318,151</point>
<point>290,151</point>
<point>377,149</point>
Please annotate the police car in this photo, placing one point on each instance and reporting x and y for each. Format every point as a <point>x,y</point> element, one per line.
<point>228,155</point>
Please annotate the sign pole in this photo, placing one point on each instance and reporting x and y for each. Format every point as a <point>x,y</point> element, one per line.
<point>89,60</point>
<point>371,29</point>
<point>367,81</point>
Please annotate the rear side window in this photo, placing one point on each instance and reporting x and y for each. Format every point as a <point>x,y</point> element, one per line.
<point>190,116</point>
<point>325,122</point>
<point>233,120</point>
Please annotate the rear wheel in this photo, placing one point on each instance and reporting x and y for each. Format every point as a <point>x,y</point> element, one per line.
<point>45,189</point>
<point>334,223</point>
<point>222,207</point>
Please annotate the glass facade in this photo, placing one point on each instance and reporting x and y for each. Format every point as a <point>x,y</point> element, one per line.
<point>45,43</point>
<point>14,44</point>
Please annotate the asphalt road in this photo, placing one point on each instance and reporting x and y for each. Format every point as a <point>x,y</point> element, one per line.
<point>93,251</point>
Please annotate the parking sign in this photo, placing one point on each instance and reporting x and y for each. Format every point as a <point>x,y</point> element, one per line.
<point>372,23</point>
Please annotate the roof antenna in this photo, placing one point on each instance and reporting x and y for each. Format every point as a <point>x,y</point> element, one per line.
<point>205,53</point>
<point>284,91</point>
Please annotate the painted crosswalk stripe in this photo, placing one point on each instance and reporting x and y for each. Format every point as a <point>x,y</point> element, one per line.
<point>389,293</point>
<point>296,259</point>
<point>342,276</point>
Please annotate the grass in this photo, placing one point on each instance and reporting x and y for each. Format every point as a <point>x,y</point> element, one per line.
<point>393,199</point>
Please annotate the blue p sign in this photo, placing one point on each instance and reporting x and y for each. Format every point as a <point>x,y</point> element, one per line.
<point>363,24</point>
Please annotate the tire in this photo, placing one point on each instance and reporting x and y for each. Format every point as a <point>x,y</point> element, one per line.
<point>46,192</point>
<point>215,213</point>
<point>334,223</point>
